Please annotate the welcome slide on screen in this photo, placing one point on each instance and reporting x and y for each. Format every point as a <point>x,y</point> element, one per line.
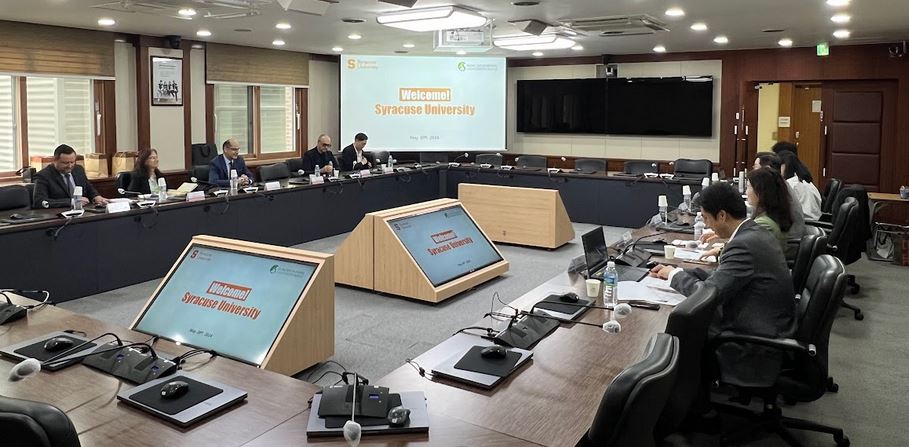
<point>231,302</point>
<point>424,103</point>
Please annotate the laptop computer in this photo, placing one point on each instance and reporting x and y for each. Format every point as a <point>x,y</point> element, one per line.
<point>596,254</point>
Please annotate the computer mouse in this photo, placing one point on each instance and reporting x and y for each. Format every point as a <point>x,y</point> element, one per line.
<point>175,389</point>
<point>57,344</point>
<point>569,297</point>
<point>493,352</point>
<point>398,416</point>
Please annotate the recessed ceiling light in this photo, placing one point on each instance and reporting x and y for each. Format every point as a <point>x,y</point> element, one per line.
<point>282,25</point>
<point>700,26</point>
<point>278,43</point>
<point>785,42</point>
<point>659,49</point>
<point>104,21</point>
<point>577,48</point>
<point>353,20</point>
<point>838,3</point>
<point>722,40</point>
<point>461,52</point>
<point>525,3</point>
<point>203,33</point>
<point>408,45</point>
<point>354,36</point>
<point>842,34</point>
<point>537,53</point>
<point>675,12</point>
<point>841,18</point>
<point>187,12</point>
<point>337,49</point>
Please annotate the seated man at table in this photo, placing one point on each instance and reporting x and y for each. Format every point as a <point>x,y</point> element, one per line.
<point>54,185</point>
<point>220,167</point>
<point>754,286</point>
<point>320,156</point>
<point>354,158</point>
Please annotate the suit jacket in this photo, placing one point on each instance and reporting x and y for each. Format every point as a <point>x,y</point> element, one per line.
<point>313,157</point>
<point>756,298</point>
<point>50,186</point>
<point>139,182</point>
<point>219,173</point>
<point>349,158</point>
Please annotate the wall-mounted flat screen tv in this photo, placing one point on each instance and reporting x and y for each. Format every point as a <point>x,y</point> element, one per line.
<point>679,106</point>
<point>561,106</point>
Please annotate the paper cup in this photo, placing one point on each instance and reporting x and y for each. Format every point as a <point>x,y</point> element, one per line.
<point>669,251</point>
<point>593,288</point>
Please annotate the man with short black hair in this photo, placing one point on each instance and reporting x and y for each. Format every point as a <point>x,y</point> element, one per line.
<point>353,157</point>
<point>54,185</point>
<point>755,289</point>
<point>320,156</point>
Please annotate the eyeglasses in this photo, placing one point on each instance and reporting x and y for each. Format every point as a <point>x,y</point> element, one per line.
<point>233,148</point>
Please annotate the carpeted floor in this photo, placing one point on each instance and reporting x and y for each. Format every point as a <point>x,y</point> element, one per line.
<point>375,334</point>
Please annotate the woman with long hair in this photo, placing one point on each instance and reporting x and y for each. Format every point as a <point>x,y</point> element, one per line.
<point>799,179</point>
<point>769,195</point>
<point>145,175</point>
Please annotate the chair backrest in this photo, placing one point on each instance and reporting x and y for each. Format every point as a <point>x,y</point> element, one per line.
<point>124,178</point>
<point>35,424</point>
<point>830,192</point>
<point>294,165</point>
<point>591,164</point>
<point>531,161</point>
<point>685,167</point>
<point>818,307</point>
<point>14,197</point>
<point>810,247</point>
<point>433,157</point>
<point>841,237</point>
<point>633,401</point>
<point>489,159</point>
<point>203,153</point>
<point>200,172</point>
<point>276,171</point>
<point>689,322</point>
<point>640,166</point>
<point>381,156</point>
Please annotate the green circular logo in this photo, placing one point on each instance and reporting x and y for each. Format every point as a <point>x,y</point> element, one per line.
<point>462,66</point>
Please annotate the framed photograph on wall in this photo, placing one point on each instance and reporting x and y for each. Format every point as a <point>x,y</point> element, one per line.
<point>166,81</point>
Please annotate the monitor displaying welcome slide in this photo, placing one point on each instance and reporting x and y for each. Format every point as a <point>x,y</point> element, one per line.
<point>424,103</point>
<point>445,243</point>
<point>234,303</point>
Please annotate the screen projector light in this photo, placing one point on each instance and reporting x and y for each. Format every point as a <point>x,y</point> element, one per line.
<point>433,19</point>
<point>534,43</point>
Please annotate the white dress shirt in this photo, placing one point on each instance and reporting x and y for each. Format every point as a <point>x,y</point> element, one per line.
<point>676,270</point>
<point>807,196</point>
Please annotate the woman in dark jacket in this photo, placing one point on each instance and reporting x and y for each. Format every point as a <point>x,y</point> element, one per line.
<point>146,174</point>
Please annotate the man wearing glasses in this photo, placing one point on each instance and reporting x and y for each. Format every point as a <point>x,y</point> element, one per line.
<point>220,167</point>
<point>320,155</point>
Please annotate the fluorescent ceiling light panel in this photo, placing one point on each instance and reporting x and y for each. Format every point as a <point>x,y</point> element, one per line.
<point>433,19</point>
<point>529,43</point>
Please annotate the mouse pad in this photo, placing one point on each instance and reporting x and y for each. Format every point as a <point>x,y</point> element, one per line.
<point>37,351</point>
<point>394,400</point>
<point>473,361</point>
<point>198,393</point>
<point>553,303</point>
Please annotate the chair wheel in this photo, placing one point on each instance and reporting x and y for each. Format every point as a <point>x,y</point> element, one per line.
<point>832,386</point>
<point>855,288</point>
<point>843,442</point>
<point>859,316</point>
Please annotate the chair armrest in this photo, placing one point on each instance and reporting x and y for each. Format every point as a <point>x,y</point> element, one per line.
<point>826,217</point>
<point>785,344</point>
<point>820,224</point>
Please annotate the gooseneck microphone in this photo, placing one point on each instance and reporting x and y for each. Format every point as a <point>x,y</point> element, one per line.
<point>352,429</point>
<point>124,192</point>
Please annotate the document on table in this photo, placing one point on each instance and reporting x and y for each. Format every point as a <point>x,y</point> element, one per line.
<point>651,290</point>
<point>690,254</point>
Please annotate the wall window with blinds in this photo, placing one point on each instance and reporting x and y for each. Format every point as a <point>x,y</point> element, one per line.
<point>9,152</point>
<point>265,120</point>
<point>232,115</point>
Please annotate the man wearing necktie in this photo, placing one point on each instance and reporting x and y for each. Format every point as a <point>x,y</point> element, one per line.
<point>54,185</point>
<point>220,167</point>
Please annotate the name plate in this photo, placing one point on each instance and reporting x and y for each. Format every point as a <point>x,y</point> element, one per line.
<point>453,164</point>
<point>272,186</point>
<point>117,207</point>
<point>387,170</point>
<point>195,196</point>
<point>316,180</point>
<point>365,173</point>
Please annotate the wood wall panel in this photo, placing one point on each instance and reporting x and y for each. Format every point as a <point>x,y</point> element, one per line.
<point>44,49</point>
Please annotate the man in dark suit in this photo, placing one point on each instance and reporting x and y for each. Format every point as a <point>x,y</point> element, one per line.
<point>320,156</point>
<point>353,157</point>
<point>756,295</point>
<point>220,167</point>
<point>54,185</point>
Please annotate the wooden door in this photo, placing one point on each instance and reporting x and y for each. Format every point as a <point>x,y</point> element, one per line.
<point>806,127</point>
<point>859,125</point>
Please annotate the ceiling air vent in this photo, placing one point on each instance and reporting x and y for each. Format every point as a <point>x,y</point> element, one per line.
<point>633,25</point>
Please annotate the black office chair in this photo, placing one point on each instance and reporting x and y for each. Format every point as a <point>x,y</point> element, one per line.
<point>590,164</point>
<point>639,167</point>
<point>14,197</point>
<point>805,377</point>
<point>124,178</point>
<point>433,157</point>
<point>811,246</point>
<point>294,165</point>
<point>841,241</point>
<point>381,156</point>
<point>25,423</point>
<point>633,401</point>
<point>531,161</point>
<point>830,192</point>
<point>203,153</point>
<point>199,172</point>
<point>689,322</point>
<point>693,168</point>
<point>489,159</point>
<point>277,171</point>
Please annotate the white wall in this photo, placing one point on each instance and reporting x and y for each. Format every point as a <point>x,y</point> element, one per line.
<point>325,104</point>
<point>607,146</point>
<point>166,128</point>
<point>197,79</point>
<point>125,95</point>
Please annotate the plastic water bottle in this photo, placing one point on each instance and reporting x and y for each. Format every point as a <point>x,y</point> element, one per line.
<point>391,161</point>
<point>686,198</point>
<point>162,189</point>
<point>610,285</point>
<point>698,226</point>
<point>77,198</point>
<point>234,182</point>
<point>316,170</point>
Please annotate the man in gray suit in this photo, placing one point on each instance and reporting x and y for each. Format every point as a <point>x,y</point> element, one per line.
<point>756,296</point>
